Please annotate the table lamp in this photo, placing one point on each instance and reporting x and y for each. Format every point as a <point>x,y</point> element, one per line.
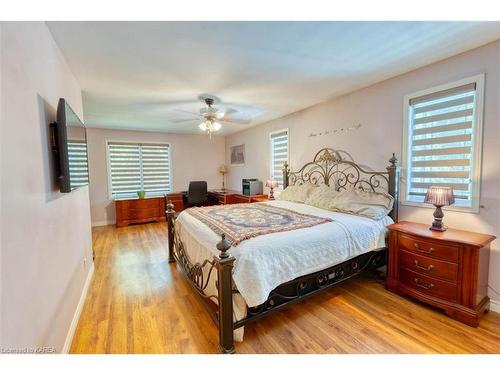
<point>223,171</point>
<point>439,196</point>
<point>271,184</point>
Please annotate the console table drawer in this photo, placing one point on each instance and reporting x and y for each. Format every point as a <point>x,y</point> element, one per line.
<point>429,249</point>
<point>429,266</point>
<point>141,213</point>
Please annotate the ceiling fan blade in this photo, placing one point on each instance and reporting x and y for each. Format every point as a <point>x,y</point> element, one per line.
<point>197,114</point>
<point>235,120</point>
<point>183,120</point>
<point>228,111</point>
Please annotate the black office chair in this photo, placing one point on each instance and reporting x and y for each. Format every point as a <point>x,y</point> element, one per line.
<point>197,193</point>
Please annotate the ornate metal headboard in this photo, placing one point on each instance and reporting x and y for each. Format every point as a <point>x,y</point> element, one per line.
<point>336,168</point>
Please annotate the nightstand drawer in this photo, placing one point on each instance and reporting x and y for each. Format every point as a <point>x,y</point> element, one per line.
<point>428,285</point>
<point>429,249</point>
<point>429,266</point>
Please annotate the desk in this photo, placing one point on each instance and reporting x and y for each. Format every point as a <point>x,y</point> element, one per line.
<point>179,198</point>
<point>240,198</point>
<point>222,196</point>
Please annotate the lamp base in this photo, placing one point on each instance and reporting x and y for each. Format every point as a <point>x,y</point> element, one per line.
<point>438,229</point>
<point>437,224</point>
<point>271,194</point>
<point>223,187</point>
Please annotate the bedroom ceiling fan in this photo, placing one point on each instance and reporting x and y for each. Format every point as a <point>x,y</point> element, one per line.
<point>212,118</point>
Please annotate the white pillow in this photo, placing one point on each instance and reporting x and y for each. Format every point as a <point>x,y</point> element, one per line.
<point>364,203</point>
<point>322,197</point>
<point>297,193</point>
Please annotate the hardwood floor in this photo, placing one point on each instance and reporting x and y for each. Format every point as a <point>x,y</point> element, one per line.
<point>138,303</point>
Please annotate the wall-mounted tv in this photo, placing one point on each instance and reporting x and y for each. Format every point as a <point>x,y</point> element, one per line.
<point>69,146</point>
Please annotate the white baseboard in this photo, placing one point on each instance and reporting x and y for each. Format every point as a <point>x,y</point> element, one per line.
<point>495,306</point>
<point>103,223</point>
<point>78,311</point>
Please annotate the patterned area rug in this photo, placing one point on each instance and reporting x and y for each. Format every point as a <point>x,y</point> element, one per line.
<point>242,221</point>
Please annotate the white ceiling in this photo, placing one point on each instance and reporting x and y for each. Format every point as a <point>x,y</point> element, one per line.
<point>137,75</point>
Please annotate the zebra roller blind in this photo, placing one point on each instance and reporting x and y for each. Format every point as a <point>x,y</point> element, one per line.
<point>441,143</point>
<point>279,155</point>
<point>78,164</point>
<point>135,166</point>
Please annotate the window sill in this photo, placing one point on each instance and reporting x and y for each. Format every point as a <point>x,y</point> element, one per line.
<point>469,210</point>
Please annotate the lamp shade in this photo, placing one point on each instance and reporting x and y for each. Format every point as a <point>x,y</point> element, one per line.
<point>271,183</point>
<point>439,196</point>
<point>223,168</point>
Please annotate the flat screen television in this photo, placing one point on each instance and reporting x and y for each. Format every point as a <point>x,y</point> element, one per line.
<point>69,146</point>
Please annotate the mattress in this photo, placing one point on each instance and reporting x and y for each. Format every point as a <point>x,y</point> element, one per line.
<point>264,262</point>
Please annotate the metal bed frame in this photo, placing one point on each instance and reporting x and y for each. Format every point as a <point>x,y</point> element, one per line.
<point>330,167</point>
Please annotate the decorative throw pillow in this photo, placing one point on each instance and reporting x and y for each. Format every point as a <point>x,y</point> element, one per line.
<point>322,197</point>
<point>297,193</point>
<point>364,203</point>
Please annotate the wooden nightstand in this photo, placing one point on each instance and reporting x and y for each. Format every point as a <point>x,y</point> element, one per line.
<point>448,270</point>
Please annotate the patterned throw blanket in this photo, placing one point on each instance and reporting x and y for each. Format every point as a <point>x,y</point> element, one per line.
<point>242,221</point>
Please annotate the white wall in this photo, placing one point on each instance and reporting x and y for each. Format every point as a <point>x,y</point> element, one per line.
<point>194,157</point>
<point>46,235</point>
<point>379,109</point>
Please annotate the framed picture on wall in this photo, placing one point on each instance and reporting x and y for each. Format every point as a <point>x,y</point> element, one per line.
<point>238,155</point>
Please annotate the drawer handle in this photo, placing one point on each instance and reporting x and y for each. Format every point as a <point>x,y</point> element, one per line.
<point>431,249</point>
<point>425,268</point>
<point>430,286</point>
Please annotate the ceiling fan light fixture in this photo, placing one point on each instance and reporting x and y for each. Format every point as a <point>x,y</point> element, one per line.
<point>210,126</point>
<point>204,126</point>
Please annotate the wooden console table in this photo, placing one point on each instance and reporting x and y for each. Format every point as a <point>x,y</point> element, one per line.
<point>135,210</point>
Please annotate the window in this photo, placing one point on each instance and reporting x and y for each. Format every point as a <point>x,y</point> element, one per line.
<point>134,167</point>
<point>78,166</point>
<point>279,155</point>
<point>442,142</point>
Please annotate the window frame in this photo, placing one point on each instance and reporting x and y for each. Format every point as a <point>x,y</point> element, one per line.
<point>108,163</point>
<point>476,144</point>
<point>271,150</point>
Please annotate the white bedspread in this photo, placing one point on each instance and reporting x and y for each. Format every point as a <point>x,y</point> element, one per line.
<point>264,262</point>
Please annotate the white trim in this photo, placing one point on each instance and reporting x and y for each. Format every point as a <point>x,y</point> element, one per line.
<point>477,142</point>
<point>108,166</point>
<point>78,311</point>
<point>495,306</point>
<point>102,223</point>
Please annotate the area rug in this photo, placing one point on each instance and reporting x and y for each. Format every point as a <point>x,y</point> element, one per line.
<point>243,221</point>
